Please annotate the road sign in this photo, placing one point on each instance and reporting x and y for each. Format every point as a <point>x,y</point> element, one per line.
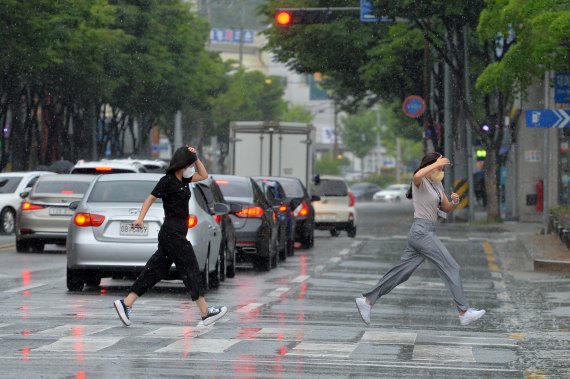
<point>369,13</point>
<point>547,118</point>
<point>414,106</point>
<point>562,88</point>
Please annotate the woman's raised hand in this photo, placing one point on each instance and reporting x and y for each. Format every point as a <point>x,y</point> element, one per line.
<point>192,150</point>
<point>442,161</point>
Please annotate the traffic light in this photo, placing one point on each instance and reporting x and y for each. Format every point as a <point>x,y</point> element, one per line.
<point>480,153</point>
<point>289,16</point>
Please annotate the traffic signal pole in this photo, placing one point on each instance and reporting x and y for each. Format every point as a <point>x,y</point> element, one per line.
<point>468,130</point>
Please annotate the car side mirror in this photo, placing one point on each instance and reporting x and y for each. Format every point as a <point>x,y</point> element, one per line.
<point>234,208</point>
<point>73,205</point>
<point>317,179</point>
<point>315,198</point>
<point>24,194</point>
<point>221,209</point>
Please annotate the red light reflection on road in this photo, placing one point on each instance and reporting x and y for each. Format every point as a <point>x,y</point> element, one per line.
<point>102,292</point>
<point>25,354</point>
<point>80,375</point>
<point>245,365</point>
<point>303,263</point>
<point>26,332</point>
<point>248,333</point>
<point>77,332</point>
<point>24,309</point>
<point>26,277</point>
<point>26,293</point>
<point>302,291</point>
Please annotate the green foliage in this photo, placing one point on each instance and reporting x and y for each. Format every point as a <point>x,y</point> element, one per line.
<point>542,30</point>
<point>359,133</point>
<point>250,96</point>
<point>328,165</point>
<point>297,113</point>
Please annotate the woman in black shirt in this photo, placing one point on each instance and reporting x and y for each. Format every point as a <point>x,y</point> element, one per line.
<point>173,246</point>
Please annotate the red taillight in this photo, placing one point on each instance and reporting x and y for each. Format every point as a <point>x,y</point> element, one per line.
<point>27,206</point>
<point>222,182</point>
<point>302,210</point>
<point>103,169</point>
<point>283,208</point>
<point>218,219</point>
<point>88,219</point>
<point>250,212</point>
<point>67,192</point>
<point>351,199</point>
<point>192,221</point>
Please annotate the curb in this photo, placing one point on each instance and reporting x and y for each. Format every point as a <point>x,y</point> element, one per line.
<point>6,246</point>
<point>542,262</point>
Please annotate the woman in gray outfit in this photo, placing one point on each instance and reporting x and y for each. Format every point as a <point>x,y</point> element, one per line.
<point>430,202</point>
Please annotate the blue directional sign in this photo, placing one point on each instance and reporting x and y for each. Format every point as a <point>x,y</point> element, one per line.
<point>547,118</point>
<point>562,88</point>
<point>231,35</point>
<point>369,13</point>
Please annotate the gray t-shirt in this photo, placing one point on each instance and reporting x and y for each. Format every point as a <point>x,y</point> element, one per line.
<point>426,199</point>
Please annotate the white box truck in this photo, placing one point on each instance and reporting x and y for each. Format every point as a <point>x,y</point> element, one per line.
<point>270,148</point>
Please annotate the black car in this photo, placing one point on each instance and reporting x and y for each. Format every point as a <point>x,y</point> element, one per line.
<point>301,204</point>
<point>256,226</point>
<point>364,190</point>
<point>227,256</point>
<point>276,196</point>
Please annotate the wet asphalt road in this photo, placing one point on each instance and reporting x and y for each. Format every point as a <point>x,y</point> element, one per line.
<point>299,320</point>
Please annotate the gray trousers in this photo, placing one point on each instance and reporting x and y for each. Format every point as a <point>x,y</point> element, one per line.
<point>422,244</point>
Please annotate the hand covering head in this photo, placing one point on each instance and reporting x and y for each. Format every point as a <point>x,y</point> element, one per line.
<point>182,158</point>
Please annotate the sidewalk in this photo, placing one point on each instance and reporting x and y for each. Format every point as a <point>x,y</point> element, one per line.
<point>547,252</point>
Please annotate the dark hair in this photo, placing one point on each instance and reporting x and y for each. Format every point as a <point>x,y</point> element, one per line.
<point>428,159</point>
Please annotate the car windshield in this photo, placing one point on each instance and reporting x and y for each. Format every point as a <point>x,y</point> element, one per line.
<point>61,187</point>
<point>235,190</point>
<point>330,187</point>
<point>292,188</point>
<point>360,186</point>
<point>9,184</point>
<point>394,187</point>
<point>121,191</point>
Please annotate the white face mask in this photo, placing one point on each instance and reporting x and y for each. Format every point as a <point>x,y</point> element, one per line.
<point>189,171</point>
<point>437,176</point>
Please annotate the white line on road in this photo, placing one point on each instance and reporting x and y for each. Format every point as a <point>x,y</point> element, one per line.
<point>279,291</point>
<point>356,244</point>
<point>25,288</point>
<point>335,259</point>
<point>344,252</point>
<point>300,279</point>
<point>249,308</point>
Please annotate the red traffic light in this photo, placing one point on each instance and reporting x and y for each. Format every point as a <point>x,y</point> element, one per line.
<point>283,18</point>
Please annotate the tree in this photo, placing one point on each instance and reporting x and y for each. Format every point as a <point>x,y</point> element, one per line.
<point>297,113</point>
<point>359,134</point>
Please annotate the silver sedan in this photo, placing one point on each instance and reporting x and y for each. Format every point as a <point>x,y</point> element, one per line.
<point>102,243</point>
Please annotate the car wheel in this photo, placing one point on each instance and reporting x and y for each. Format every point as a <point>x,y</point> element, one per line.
<point>75,280</point>
<point>352,232</point>
<point>7,220</point>
<point>222,261</point>
<point>37,247</point>
<point>283,252</point>
<point>215,277</point>
<point>231,269</point>
<point>263,260</point>
<point>206,274</point>
<point>22,246</point>
<point>92,280</point>
<point>307,241</point>
<point>334,232</point>
<point>397,200</point>
<point>290,247</point>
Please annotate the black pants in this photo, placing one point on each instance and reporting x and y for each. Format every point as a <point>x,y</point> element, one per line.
<point>172,247</point>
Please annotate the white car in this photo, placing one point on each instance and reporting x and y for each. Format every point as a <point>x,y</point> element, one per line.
<point>11,185</point>
<point>394,193</point>
<point>108,167</point>
<point>335,210</point>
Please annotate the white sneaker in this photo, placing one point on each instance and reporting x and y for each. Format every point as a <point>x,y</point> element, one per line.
<point>214,314</point>
<point>364,309</point>
<point>471,315</point>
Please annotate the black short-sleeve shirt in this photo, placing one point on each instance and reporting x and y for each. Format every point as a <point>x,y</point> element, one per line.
<point>175,195</point>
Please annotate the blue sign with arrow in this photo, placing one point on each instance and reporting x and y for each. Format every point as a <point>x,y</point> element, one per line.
<point>547,118</point>
<point>369,13</point>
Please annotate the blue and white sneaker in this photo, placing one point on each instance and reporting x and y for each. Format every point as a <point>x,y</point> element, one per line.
<point>214,314</point>
<point>471,315</point>
<point>123,311</point>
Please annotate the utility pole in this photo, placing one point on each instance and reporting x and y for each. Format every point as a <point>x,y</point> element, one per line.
<point>447,137</point>
<point>468,130</point>
<point>177,129</point>
<point>545,156</point>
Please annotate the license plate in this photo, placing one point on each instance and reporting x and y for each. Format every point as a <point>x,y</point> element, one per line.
<point>60,212</point>
<point>325,217</point>
<point>128,230</point>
